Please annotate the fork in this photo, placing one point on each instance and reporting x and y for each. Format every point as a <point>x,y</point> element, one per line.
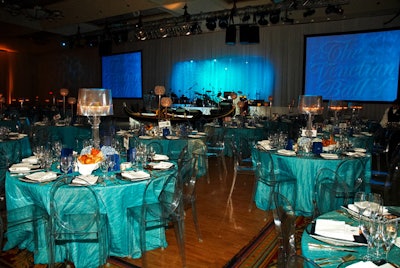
<point>328,261</point>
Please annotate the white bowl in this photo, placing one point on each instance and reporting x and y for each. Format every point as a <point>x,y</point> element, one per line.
<point>87,169</point>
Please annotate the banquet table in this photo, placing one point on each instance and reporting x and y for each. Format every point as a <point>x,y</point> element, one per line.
<point>70,136</point>
<point>116,195</point>
<point>313,253</point>
<point>237,133</point>
<point>304,169</point>
<point>16,148</point>
<point>177,143</point>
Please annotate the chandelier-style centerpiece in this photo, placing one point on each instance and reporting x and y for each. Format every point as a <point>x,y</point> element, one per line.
<point>159,91</point>
<point>310,105</point>
<point>94,103</point>
<point>337,106</point>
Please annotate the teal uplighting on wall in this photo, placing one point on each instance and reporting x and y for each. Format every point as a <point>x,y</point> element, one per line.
<point>249,76</point>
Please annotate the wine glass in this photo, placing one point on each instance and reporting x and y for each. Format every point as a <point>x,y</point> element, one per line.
<point>389,235</point>
<point>360,201</point>
<point>65,164</point>
<point>151,152</point>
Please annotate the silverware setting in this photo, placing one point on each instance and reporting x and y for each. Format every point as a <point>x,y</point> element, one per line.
<point>331,260</point>
<point>320,246</point>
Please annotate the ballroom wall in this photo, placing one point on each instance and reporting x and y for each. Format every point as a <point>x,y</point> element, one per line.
<point>32,72</point>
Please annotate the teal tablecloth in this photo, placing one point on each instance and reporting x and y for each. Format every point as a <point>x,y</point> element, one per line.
<point>235,133</point>
<point>313,253</point>
<point>17,149</point>
<point>70,136</point>
<point>176,145</point>
<point>116,195</point>
<point>305,170</point>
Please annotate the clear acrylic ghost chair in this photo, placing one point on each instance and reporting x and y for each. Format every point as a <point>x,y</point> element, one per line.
<point>76,217</point>
<point>330,192</point>
<point>198,149</point>
<point>175,149</point>
<point>353,168</point>
<point>28,217</point>
<point>242,161</point>
<point>284,219</point>
<point>274,177</point>
<point>187,179</point>
<point>216,148</point>
<point>162,204</point>
<point>157,147</point>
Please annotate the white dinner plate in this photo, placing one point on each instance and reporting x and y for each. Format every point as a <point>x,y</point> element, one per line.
<point>286,152</point>
<point>360,150</point>
<point>145,137</point>
<point>135,175</point>
<point>329,156</point>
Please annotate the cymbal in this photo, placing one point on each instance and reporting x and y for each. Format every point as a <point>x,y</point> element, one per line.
<point>208,90</point>
<point>240,92</point>
<point>197,93</point>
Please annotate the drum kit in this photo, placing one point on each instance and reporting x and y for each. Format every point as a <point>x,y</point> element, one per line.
<point>204,100</point>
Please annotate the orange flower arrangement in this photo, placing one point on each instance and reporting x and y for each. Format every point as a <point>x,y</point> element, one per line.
<point>95,156</point>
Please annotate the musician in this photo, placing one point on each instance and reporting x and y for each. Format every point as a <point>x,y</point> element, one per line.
<point>235,101</point>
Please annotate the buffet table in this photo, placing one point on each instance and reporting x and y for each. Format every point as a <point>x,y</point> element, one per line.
<point>304,169</point>
<point>16,148</point>
<point>117,195</point>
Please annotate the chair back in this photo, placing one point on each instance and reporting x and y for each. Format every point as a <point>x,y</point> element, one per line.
<point>330,192</point>
<point>157,147</point>
<point>75,217</point>
<point>284,219</point>
<point>170,198</point>
<point>355,169</point>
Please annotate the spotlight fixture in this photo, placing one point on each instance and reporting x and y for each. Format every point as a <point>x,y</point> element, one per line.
<point>309,12</point>
<point>223,22</point>
<point>163,32</point>
<point>334,9</point>
<point>211,23</point>
<point>246,17</point>
<point>263,20</point>
<point>274,16</point>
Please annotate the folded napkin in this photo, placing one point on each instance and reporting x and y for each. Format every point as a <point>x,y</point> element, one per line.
<point>85,179</point>
<point>160,157</point>
<point>265,144</point>
<point>335,229</point>
<point>362,264</point>
<point>19,168</point>
<point>42,176</point>
<point>365,213</point>
<point>135,175</point>
<point>286,152</point>
<point>31,160</point>
<point>161,165</point>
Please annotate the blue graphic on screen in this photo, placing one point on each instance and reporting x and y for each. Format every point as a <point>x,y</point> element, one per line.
<point>354,67</point>
<point>122,73</point>
<point>248,76</point>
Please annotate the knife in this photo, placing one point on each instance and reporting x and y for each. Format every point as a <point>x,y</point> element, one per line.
<point>330,247</point>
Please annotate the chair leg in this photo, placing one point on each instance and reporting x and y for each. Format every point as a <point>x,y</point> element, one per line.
<point>253,195</point>
<point>196,223</point>
<point>179,228</point>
